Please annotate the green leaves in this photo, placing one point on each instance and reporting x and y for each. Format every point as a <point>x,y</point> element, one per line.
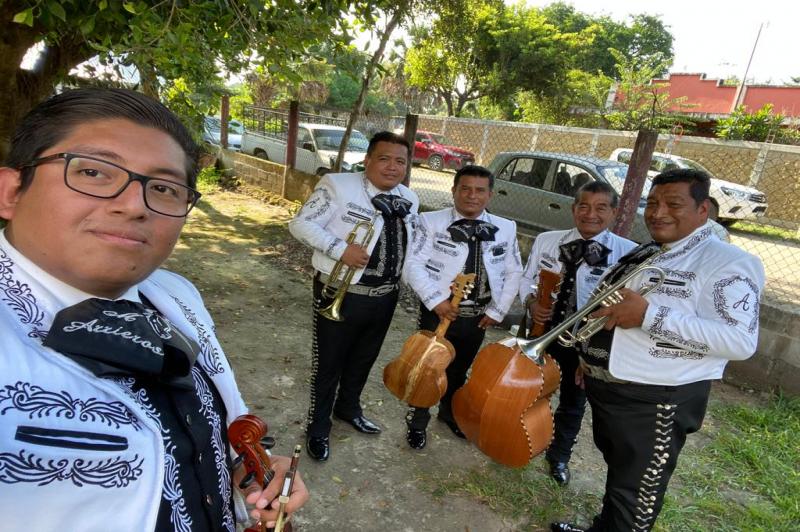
<point>742,125</point>
<point>24,17</point>
<point>57,11</point>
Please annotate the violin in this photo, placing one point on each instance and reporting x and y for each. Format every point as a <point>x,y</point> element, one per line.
<point>248,437</point>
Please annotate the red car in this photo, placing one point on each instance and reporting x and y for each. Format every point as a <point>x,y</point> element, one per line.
<point>435,151</point>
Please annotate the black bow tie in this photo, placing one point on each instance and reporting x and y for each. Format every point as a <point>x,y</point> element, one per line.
<point>593,253</point>
<point>392,206</point>
<point>123,338</point>
<point>466,229</point>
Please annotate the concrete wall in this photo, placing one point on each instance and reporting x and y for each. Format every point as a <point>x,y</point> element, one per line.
<point>776,364</point>
<point>269,176</point>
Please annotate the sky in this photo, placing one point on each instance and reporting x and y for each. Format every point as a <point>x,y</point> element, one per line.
<point>717,36</point>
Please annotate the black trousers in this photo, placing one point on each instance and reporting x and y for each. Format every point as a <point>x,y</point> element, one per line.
<point>343,354</point>
<point>466,337</point>
<point>571,406</point>
<point>641,429</point>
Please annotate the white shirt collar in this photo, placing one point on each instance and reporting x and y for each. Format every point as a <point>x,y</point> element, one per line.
<point>599,237</point>
<point>684,240</point>
<point>373,191</point>
<point>58,291</point>
<point>456,216</point>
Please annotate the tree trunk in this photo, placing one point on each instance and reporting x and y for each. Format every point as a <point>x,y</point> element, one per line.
<point>21,90</point>
<point>373,62</point>
<point>634,181</point>
<point>13,105</point>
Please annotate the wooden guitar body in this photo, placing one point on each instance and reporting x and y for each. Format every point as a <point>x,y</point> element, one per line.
<point>504,408</point>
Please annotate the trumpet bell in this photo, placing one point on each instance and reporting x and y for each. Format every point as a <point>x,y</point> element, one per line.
<point>604,296</point>
<point>333,311</point>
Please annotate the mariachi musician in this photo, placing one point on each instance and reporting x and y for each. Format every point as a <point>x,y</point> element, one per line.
<point>462,239</point>
<point>115,393</point>
<point>581,255</point>
<point>363,223</point>
<point>648,373</point>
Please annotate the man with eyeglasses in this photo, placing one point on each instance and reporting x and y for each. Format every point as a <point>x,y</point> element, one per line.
<point>115,394</point>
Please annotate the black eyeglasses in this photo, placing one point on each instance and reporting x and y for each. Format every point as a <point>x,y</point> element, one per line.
<point>102,179</point>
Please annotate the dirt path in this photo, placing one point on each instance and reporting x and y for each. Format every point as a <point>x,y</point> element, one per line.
<point>256,283</point>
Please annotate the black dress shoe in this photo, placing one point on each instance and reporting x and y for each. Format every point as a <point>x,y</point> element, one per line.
<point>416,438</point>
<point>362,424</point>
<point>559,471</point>
<point>453,427</point>
<point>565,527</point>
<point>319,448</point>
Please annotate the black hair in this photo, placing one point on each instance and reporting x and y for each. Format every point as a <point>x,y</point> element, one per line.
<point>387,136</point>
<point>699,181</point>
<point>598,187</point>
<point>474,170</point>
<point>52,120</point>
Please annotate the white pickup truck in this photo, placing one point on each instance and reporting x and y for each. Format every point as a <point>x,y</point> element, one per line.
<point>317,147</point>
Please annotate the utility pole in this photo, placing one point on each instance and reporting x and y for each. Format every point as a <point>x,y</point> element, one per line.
<point>737,101</point>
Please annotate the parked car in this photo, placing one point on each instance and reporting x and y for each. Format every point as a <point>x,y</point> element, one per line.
<point>537,189</point>
<point>212,129</point>
<point>438,152</point>
<point>317,147</point>
<point>729,201</point>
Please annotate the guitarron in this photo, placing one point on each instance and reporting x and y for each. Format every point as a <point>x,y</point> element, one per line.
<point>504,407</point>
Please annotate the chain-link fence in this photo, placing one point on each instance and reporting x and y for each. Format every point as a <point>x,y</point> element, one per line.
<point>755,190</point>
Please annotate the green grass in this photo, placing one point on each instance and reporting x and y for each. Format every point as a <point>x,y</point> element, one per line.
<point>208,179</point>
<point>746,478</point>
<point>526,495</point>
<point>767,231</point>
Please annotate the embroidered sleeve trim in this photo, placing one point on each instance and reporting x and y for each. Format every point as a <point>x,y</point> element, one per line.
<point>329,251</point>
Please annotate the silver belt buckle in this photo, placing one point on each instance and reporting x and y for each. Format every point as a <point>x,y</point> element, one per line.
<point>470,311</point>
<point>382,290</point>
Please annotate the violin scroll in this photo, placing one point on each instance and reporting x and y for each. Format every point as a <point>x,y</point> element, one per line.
<point>248,437</point>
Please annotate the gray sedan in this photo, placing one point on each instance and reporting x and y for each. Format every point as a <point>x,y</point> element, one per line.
<point>536,189</point>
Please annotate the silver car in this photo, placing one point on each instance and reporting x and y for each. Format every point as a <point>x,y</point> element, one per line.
<point>729,201</point>
<point>536,189</point>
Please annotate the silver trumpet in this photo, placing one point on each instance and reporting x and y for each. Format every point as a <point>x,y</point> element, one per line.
<point>604,296</point>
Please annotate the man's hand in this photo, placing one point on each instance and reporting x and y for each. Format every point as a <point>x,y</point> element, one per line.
<point>627,314</point>
<point>355,256</point>
<point>487,322</point>
<point>540,314</point>
<point>446,311</point>
<point>579,382</point>
<point>265,501</point>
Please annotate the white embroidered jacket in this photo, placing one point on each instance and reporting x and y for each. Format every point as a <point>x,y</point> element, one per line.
<point>705,314</point>
<point>338,202</point>
<point>55,484</point>
<point>544,256</point>
<point>435,260</point>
